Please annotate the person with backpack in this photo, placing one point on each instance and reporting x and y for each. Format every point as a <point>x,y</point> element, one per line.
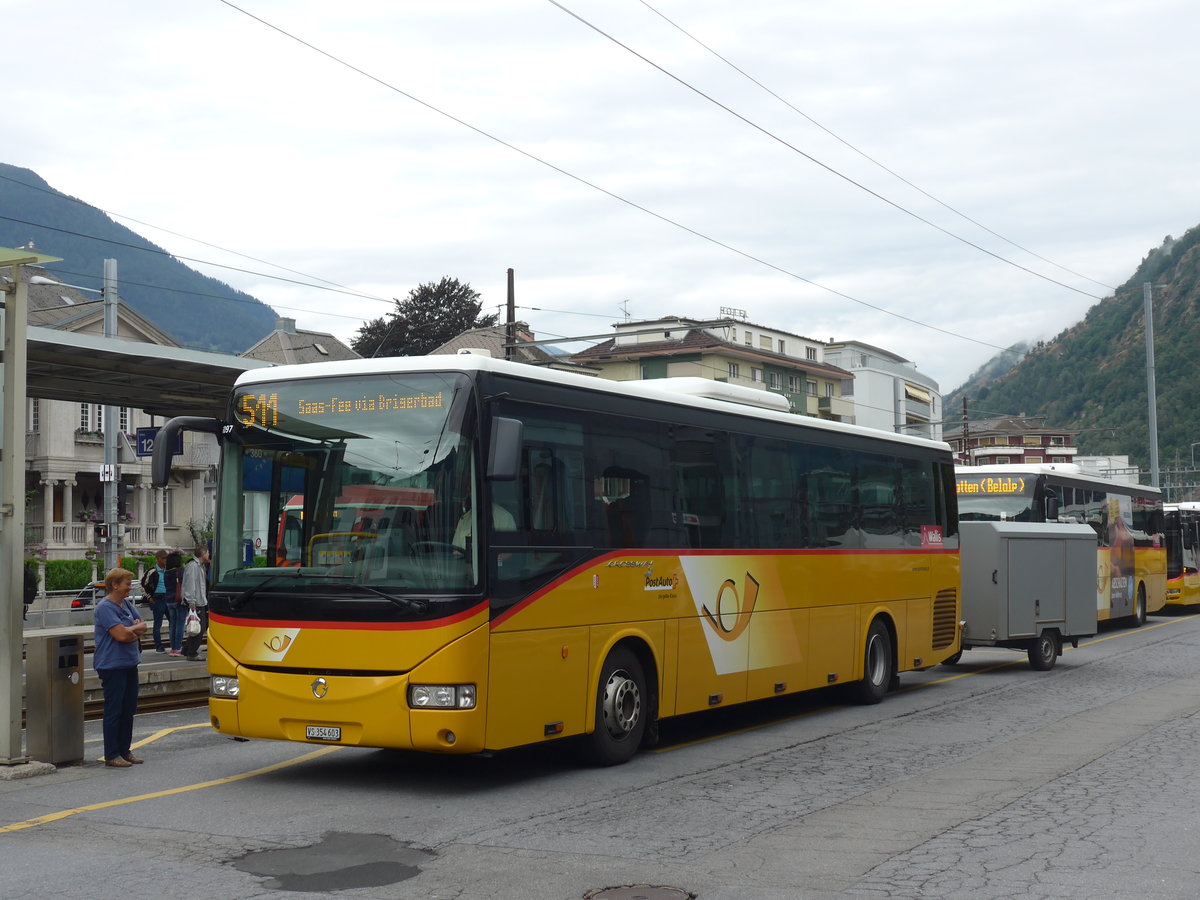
<point>173,596</point>
<point>155,587</point>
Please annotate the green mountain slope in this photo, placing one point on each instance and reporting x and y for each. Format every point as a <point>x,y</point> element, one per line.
<point>1092,377</point>
<point>197,311</point>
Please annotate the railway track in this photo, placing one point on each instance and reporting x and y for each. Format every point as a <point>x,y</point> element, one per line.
<point>93,709</point>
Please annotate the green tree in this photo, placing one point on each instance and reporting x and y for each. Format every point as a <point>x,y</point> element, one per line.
<point>431,315</point>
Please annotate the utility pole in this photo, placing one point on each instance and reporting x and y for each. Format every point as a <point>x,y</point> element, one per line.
<point>110,472</point>
<point>510,327</point>
<point>14,302</point>
<point>1151,391</point>
<point>966,433</point>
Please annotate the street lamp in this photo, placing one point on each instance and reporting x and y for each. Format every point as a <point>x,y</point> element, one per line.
<point>1194,446</point>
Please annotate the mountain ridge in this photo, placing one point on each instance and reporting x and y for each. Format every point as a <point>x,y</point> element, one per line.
<point>1092,377</point>
<point>198,311</point>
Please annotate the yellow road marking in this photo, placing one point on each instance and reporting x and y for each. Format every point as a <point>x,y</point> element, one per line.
<point>216,782</point>
<point>161,733</point>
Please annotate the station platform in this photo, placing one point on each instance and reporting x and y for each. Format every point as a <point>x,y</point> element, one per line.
<point>161,676</point>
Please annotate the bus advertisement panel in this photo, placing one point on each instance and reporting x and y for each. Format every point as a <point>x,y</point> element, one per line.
<point>471,555</point>
<point>1127,519</point>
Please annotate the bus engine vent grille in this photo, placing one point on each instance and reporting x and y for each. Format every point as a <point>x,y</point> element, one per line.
<point>945,618</point>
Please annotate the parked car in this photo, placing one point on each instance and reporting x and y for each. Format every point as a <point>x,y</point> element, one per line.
<point>94,593</point>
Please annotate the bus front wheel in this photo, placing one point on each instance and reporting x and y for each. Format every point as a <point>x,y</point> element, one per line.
<point>621,710</point>
<point>877,665</point>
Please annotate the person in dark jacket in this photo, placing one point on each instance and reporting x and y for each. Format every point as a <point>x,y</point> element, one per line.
<point>30,589</point>
<point>173,594</point>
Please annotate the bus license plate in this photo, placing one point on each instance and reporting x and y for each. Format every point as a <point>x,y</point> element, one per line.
<point>323,733</point>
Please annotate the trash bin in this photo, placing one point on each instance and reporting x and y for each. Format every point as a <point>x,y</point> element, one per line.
<point>54,698</point>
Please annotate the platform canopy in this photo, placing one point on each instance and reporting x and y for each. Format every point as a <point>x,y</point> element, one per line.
<point>163,381</point>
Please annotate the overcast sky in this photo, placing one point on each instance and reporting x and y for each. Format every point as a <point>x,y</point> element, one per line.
<point>482,135</point>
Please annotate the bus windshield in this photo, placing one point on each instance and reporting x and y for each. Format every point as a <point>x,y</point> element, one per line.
<point>351,491</point>
<point>995,498</point>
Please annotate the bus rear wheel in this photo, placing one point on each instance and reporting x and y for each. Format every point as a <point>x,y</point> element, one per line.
<point>878,666</point>
<point>1139,607</point>
<point>621,710</point>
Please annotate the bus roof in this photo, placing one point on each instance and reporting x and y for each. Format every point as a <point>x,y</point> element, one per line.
<point>1063,470</point>
<point>735,400</point>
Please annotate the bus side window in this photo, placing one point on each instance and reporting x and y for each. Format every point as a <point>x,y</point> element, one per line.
<point>916,496</point>
<point>625,497</point>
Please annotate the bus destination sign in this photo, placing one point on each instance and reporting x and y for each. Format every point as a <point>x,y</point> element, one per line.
<point>992,485</point>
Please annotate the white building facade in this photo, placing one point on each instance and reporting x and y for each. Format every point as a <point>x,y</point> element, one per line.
<point>889,393</point>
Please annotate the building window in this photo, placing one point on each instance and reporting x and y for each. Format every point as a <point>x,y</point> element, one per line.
<point>734,371</point>
<point>794,384</point>
<point>756,375</point>
<point>34,416</point>
<point>782,346</point>
<point>125,419</point>
<point>829,389</point>
<point>749,338</point>
<point>774,381</point>
<point>810,388</point>
<point>1033,459</point>
<point>85,416</point>
<point>166,507</point>
<point>764,342</point>
<point>810,353</point>
<point>1003,460</point>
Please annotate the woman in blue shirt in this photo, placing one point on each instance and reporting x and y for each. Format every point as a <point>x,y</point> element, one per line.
<point>118,651</point>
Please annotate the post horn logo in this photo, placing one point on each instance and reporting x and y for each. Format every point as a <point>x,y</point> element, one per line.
<point>732,616</point>
<point>278,643</point>
<point>320,688</point>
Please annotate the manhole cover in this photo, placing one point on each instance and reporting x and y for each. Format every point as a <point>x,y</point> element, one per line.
<point>639,892</point>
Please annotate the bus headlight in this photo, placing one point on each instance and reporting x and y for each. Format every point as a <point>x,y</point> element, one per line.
<point>224,686</point>
<point>441,696</point>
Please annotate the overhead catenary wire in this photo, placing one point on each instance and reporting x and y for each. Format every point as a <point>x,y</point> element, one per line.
<point>816,161</point>
<point>865,155</point>
<point>619,198</point>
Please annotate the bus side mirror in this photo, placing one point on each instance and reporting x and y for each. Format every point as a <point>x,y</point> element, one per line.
<point>504,453</point>
<point>164,444</point>
<point>1052,507</point>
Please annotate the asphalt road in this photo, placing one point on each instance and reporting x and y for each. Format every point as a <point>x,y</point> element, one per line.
<point>987,780</point>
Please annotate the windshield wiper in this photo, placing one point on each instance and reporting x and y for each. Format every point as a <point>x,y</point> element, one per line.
<point>245,596</point>
<point>406,603</point>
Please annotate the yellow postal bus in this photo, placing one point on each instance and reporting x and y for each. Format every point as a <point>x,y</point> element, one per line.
<point>568,557</point>
<point>1131,558</point>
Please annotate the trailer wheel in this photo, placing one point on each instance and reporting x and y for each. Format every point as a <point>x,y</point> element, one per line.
<point>621,711</point>
<point>878,666</point>
<point>1044,650</point>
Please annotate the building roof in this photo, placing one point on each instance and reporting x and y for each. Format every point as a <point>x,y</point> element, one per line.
<point>1006,425</point>
<point>288,344</point>
<point>697,340</point>
<point>493,339</point>
<point>55,304</point>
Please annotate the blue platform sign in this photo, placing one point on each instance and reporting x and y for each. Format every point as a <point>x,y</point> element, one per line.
<point>146,438</point>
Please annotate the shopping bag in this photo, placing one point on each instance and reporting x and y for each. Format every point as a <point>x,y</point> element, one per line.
<point>191,625</point>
